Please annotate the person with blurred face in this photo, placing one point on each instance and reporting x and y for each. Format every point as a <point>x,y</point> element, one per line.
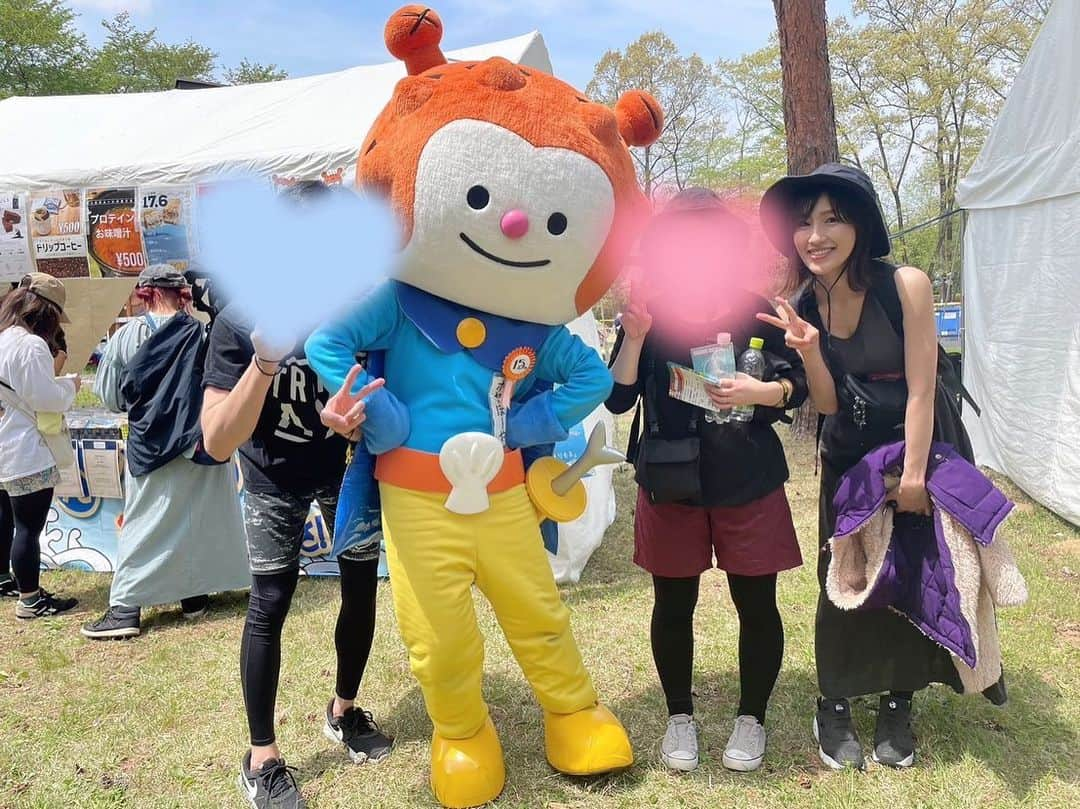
<point>734,512</point>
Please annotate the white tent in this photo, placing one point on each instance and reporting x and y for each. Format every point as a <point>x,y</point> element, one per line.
<point>1022,275</point>
<point>297,129</point>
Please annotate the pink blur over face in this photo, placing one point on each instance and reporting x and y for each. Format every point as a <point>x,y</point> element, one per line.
<point>823,241</point>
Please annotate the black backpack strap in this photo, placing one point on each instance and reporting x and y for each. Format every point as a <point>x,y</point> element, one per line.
<point>887,295</point>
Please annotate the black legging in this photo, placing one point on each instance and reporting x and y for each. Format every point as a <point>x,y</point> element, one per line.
<point>22,520</point>
<point>761,639</point>
<point>260,649</point>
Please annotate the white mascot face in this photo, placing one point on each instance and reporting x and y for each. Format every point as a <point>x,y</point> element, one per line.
<point>503,226</point>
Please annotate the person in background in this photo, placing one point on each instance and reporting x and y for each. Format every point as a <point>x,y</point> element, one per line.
<point>858,315</point>
<point>734,508</point>
<point>183,534</point>
<point>30,318</point>
<point>263,398</point>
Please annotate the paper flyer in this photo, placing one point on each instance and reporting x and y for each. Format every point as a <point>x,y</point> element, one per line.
<point>687,385</point>
<point>58,232</point>
<point>101,466</point>
<point>165,214</point>
<point>14,236</point>
<point>114,240</point>
<point>71,481</point>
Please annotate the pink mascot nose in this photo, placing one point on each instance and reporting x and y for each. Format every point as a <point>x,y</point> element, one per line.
<point>515,223</point>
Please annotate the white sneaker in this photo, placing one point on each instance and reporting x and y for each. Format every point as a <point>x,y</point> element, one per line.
<point>679,750</point>
<point>746,747</point>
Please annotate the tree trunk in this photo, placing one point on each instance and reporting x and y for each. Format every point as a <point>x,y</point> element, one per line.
<point>809,115</point>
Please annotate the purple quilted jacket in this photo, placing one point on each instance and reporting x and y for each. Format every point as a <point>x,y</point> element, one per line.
<point>917,577</point>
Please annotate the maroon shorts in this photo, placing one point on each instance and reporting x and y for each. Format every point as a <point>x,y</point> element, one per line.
<point>754,539</point>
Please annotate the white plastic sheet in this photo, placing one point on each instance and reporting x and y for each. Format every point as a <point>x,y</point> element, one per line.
<point>1022,275</point>
<point>580,538</point>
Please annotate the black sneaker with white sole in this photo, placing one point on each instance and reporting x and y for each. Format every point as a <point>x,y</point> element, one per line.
<point>358,732</point>
<point>894,741</point>
<point>8,588</point>
<point>194,607</point>
<point>273,786</point>
<point>45,605</point>
<point>838,743</point>
<point>117,622</point>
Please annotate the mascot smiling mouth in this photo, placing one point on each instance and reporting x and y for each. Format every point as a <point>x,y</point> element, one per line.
<point>522,264</point>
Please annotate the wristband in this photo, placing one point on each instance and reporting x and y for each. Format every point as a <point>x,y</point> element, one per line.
<point>258,364</point>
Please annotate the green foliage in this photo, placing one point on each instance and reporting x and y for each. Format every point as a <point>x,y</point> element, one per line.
<point>685,88</point>
<point>254,73</point>
<point>42,53</point>
<point>134,61</point>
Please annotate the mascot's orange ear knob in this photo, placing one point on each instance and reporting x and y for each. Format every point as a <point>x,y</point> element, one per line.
<point>640,118</point>
<point>413,34</point>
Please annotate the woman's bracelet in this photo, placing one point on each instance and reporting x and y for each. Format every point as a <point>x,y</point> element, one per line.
<point>785,394</point>
<point>258,364</point>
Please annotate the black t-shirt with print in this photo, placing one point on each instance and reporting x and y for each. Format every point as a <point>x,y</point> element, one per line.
<point>290,449</point>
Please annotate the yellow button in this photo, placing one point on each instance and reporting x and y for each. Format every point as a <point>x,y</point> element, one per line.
<point>471,332</point>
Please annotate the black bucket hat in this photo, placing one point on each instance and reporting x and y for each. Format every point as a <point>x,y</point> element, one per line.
<point>778,200</point>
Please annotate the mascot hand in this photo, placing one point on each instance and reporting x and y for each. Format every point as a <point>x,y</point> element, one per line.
<point>470,462</point>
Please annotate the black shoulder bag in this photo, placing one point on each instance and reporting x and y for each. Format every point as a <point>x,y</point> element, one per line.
<point>668,469</point>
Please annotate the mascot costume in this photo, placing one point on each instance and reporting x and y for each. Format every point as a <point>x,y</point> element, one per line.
<point>513,190</point>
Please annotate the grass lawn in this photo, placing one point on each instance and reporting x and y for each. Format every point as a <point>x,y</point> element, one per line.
<point>158,721</point>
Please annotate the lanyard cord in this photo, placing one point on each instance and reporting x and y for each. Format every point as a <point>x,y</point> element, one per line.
<point>828,300</point>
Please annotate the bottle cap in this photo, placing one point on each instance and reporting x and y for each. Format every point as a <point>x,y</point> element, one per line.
<point>723,338</point>
<point>757,342</point>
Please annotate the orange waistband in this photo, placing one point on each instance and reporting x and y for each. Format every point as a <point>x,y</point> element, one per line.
<point>420,471</point>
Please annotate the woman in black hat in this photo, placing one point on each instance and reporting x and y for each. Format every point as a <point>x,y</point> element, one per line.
<point>860,316</point>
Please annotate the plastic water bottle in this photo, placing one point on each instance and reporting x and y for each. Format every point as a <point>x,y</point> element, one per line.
<point>751,363</point>
<point>719,365</point>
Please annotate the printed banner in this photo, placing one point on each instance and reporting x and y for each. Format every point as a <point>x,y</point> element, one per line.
<point>165,215</point>
<point>115,243</point>
<point>14,236</point>
<point>82,533</point>
<point>58,232</point>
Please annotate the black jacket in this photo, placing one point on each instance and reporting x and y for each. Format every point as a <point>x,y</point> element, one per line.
<point>740,462</point>
<point>161,390</point>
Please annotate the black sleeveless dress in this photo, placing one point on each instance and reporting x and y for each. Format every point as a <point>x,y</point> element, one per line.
<point>864,651</point>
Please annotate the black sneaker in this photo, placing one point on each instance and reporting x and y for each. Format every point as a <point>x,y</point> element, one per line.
<point>45,605</point>
<point>894,743</point>
<point>194,607</point>
<point>271,787</point>
<point>117,622</point>
<point>838,743</point>
<point>8,588</point>
<point>358,732</point>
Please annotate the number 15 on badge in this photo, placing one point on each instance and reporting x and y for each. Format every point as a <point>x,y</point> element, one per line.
<point>517,365</point>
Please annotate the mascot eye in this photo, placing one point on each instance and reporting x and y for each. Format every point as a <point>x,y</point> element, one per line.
<point>556,224</point>
<point>478,197</point>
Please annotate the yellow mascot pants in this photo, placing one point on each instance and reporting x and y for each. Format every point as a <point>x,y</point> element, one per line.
<point>435,556</point>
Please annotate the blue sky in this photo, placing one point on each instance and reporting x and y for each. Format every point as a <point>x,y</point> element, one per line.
<point>317,36</point>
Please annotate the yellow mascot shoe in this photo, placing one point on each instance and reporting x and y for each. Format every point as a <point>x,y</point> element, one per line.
<point>588,742</point>
<point>467,772</point>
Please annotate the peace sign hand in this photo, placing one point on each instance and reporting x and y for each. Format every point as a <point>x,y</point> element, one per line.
<point>344,411</point>
<point>798,334</point>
